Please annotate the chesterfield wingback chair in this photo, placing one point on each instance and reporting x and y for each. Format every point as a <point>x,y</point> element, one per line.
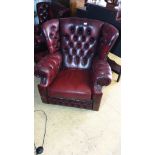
<point>45,12</point>
<point>76,68</point>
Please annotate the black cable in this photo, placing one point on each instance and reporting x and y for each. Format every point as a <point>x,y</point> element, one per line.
<point>40,149</point>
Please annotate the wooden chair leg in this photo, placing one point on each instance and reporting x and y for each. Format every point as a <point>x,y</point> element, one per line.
<point>119,76</point>
<point>115,67</point>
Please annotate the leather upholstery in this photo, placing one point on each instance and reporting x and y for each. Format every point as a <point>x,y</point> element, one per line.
<point>101,72</point>
<point>105,14</point>
<point>47,68</point>
<point>109,34</point>
<point>87,104</point>
<point>51,32</point>
<point>78,41</point>
<point>46,11</point>
<point>71,84</point>
<point>79,47</point>
<point>39,41</point>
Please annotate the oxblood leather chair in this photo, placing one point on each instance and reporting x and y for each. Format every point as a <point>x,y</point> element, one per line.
<point>46,11</point>
<point>76,68</point>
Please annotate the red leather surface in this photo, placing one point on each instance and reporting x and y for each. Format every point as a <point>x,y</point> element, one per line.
<point>47,68</point>
<point>83,45</point>
<point>44,11</point>
<point>51,32</point>
<point>71,84</point>
<point>108,37</point>
<point>78,41</point>
<point>101,72</point>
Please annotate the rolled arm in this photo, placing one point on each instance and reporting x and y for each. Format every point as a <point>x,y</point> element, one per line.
<point>48,68</point>
<point>102,74</point>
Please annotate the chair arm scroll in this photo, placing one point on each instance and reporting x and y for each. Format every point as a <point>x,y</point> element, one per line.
<point>48,68</point>
<point>102,74</point>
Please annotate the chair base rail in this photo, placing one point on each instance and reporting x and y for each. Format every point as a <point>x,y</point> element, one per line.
<point>85,104</point>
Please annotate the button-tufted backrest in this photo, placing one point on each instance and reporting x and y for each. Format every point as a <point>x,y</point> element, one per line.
<point>51,33</point>
<point>44,11</point>
<point>79,38</point>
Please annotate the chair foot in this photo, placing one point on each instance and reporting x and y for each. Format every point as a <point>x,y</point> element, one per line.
<point>119,76</point>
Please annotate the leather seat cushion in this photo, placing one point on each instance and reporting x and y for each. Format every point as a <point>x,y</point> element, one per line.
<point>71,84</point>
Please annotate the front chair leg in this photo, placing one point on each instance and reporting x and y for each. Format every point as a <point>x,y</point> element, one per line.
<point>97,101</point>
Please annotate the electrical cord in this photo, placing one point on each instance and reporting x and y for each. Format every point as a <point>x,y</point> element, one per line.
<point>40,149</point>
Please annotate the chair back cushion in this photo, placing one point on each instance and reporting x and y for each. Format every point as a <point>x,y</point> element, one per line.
<point>79,38</point>
<point>44,12</point>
